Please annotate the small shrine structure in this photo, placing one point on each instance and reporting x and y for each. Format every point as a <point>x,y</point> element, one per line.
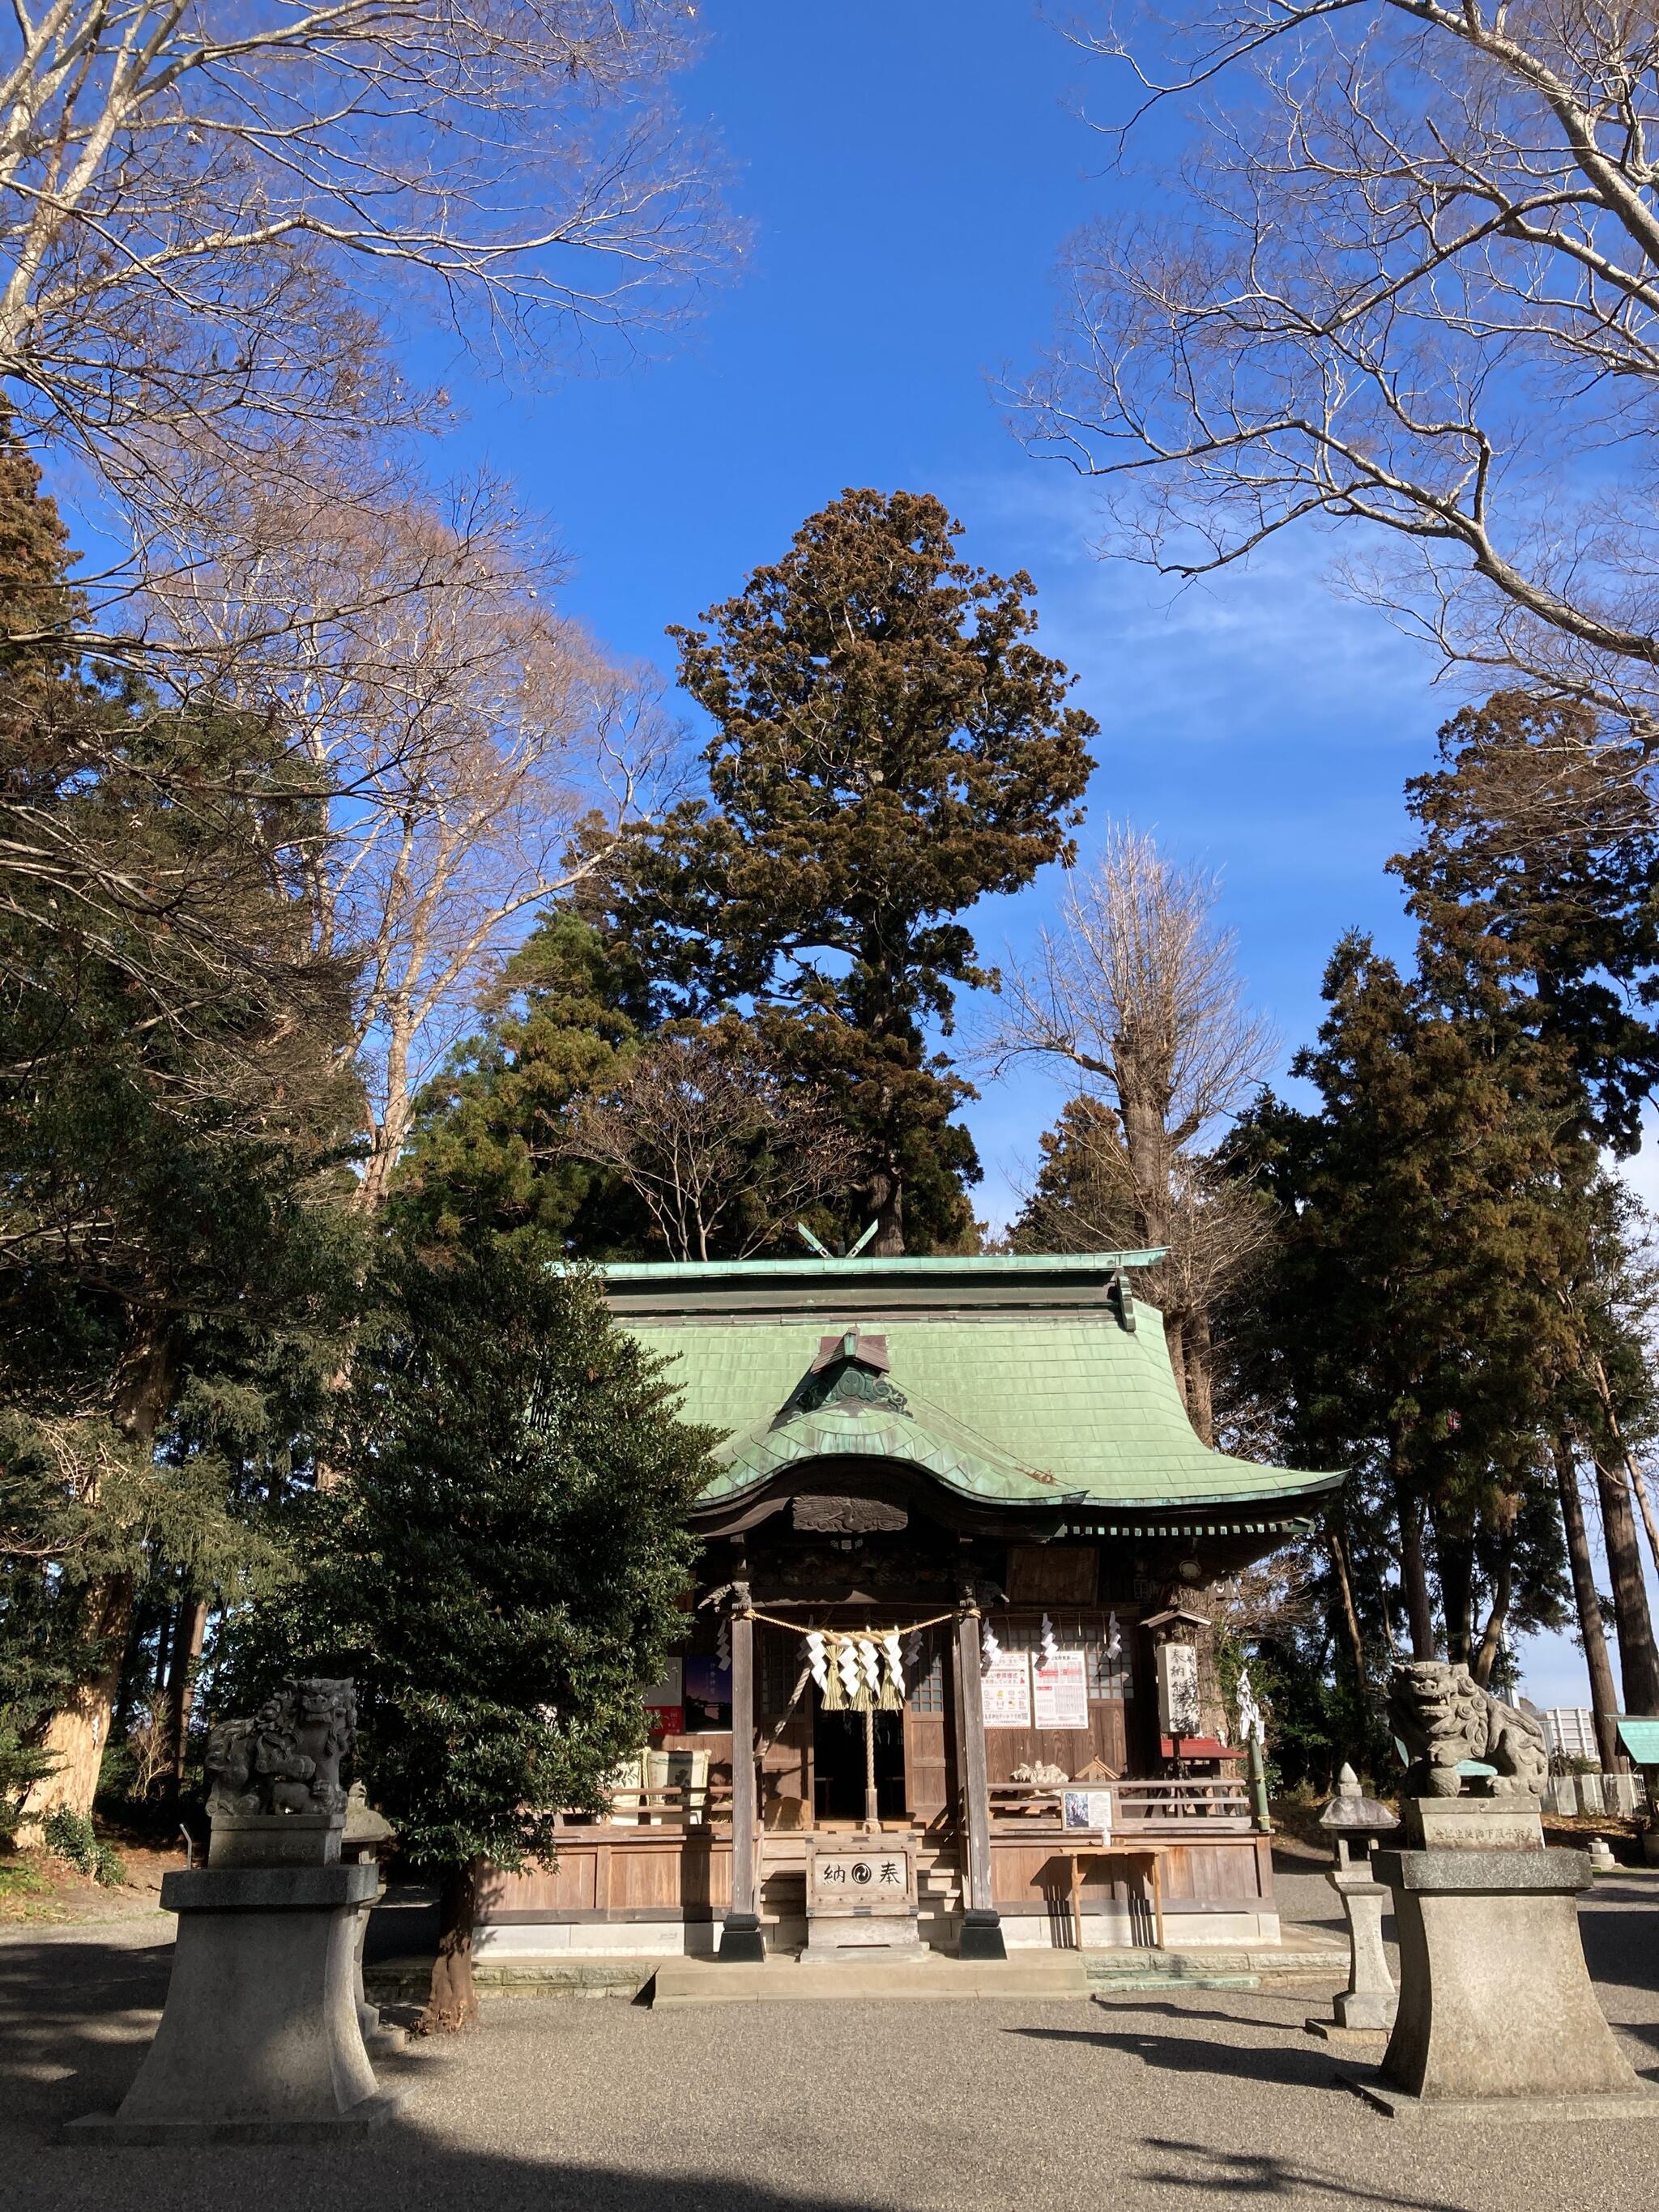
<point>954,1596</point>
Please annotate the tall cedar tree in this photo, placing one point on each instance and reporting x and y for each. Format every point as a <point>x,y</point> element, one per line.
<point>889,747</point>
<point>173,1122</point>
<point>1410,1328</point>
<point>1538,866</point>
<point>503,1570</point>
<point>489,1158</point>
<point>1539,855</point>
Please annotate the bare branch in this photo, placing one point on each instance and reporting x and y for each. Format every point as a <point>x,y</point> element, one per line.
<point>1407,276</point>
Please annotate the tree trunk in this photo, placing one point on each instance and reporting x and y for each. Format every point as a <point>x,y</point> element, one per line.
<point>1414,1574</point>
<point>1604,1702</point>
<point>1201,1402</point>
<point>189,1631</point>
<point>1454,1550</point>
<point>1492,1636</point>
<point>1175,1336</point>
<point>886,1199</point>
<point>79,1730</point>
<point>1604,1391</point>
<point>1356,1641</point>
<point>1146,1143</point>
<point>1638,1661</point>
<point>453,2003</point>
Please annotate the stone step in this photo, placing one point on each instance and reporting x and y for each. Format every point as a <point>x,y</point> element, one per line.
<point>406,1981</point>
<point>930,1978</point>
<point>1220,1968</point>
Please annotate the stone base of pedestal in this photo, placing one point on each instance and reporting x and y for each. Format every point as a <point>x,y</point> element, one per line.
<point>99,2129</point>
<point>1496,2004</point>
<point>1368,2040</point>
<point>981,1936</point>
<point>741,1941</point>
<point>831,1936</point>
<point>260,2040</point>
<point>1642,2103</point>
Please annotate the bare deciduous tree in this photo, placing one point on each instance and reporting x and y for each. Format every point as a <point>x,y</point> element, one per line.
<point>718,1147</point>
<point>1137,990</point>
<point>208,211</point>
<point>479,754</point>
<point>1406,275</point>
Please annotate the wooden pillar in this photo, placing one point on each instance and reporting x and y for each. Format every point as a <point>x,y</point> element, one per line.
<point>740,1935</point>
<point>981,1925</point>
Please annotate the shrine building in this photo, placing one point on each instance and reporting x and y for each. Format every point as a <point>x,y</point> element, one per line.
<point>954,1602</point>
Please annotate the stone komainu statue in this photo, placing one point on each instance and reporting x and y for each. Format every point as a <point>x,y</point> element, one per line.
<point>1442,1716</point>
<point>287,1758</point>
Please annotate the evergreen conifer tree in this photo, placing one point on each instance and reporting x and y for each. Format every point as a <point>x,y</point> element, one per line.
<point>502,1568</point>
<point>174,1123</point>
<point>890,746</point>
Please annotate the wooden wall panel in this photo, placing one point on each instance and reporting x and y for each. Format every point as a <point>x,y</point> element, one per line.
<point>1070,1749</point>
<point>642,1881</point>
<point>570,1884</point>
<point>1228,1874</point>
<point>926,1766</point>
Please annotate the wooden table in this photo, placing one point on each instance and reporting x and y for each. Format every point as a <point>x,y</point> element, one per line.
<point>1074,1854</point>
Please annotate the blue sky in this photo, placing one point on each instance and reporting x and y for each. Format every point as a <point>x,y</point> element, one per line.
<point>910,172</point>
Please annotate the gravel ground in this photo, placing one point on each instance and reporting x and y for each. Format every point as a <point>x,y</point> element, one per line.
<point>1139,2100</point>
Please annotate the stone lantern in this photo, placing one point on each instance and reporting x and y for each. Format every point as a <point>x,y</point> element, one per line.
<point>1367,2005</point>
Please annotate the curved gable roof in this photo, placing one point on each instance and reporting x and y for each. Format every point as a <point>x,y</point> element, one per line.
<point>1014,1380</point>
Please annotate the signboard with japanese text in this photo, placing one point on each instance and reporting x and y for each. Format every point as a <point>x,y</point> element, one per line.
<point>847,1876</point>
<point>1005,1691</point>
<point>1087,1809</point>
<point>1060,1691</point>
<point>1177,1690</point>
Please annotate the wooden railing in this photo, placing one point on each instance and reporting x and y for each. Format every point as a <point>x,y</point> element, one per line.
<point>676,1805</point>
<point>1181,1804</point>
<point>1214,1808</point>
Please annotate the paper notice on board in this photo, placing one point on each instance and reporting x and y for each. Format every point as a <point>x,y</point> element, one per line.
<point>1005,1691</point>
<point>1061,1686</point>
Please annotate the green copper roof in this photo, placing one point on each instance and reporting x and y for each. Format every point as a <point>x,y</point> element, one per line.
<point>1012,1380</point>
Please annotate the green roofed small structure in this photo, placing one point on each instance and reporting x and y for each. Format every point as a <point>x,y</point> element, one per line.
<point>951,1610</point>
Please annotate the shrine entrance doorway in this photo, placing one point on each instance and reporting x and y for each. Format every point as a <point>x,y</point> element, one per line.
<point>840,1757</point>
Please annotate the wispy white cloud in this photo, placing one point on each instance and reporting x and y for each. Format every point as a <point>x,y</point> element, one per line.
<point>1256,721</point>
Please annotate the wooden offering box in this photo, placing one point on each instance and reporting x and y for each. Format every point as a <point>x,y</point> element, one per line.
<point>860,1893</point>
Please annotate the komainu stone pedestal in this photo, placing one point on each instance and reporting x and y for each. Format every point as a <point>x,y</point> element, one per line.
<point>260,2041</point>
<point>1497,2016</point>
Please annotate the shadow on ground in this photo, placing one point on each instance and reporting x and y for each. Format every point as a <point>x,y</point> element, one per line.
<point>1239,2175</point>
<point>1619,1924</point>
<point>1283,2063</point>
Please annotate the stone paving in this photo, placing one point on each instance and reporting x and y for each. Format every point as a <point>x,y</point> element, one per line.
<point>1195,2098</point>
